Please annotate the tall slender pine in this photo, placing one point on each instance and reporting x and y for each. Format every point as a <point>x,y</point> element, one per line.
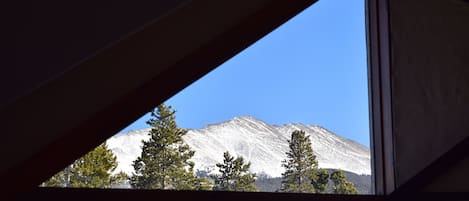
<point>300,164</point>
<point>164,162</point>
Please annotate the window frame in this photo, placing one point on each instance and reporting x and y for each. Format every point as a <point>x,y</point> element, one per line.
<point>379,79</point>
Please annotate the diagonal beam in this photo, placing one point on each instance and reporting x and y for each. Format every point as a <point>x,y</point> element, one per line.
<point>155,70</point>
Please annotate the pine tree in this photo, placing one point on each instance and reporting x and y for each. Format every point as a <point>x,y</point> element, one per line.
<point>341,185</point>
<point>187,180</point>
<point>90,171</point>
<point>119,180</point>
<point>164,162</point>
<point>60,179</point>
<point>235,175</point>
<point>300,165</point>
<point>202,184</point>
<point>320,181</point>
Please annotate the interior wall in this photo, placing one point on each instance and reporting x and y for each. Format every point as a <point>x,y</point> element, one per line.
<point>430,81</point>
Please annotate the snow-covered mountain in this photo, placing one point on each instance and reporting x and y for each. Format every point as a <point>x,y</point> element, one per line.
<point>262,144</point>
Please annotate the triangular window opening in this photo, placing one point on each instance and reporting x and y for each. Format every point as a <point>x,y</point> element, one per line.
<point>288,114</point>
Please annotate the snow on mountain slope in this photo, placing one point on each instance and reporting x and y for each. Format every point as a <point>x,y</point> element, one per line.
<point>262,144</point>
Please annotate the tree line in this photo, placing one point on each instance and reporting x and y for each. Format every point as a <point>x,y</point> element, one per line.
<point>165,164</point>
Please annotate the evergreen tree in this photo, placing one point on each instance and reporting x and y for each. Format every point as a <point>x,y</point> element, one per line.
<point>341,185</point>
<point>58,180</point>
<point>234,175</point>
<point>164,162</point>
<point>300,165</point>
<point>187,180</point>
<point>119,180</point>
<point>202,184</point>
<point>90,171</point>
<point>203,181</point>
<point>320,181</point>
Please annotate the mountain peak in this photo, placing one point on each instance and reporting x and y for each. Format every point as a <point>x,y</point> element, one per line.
<point>245,117</point>
<point>262,144</point>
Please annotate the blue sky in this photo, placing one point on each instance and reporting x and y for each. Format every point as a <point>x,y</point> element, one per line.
<point>311,70</point>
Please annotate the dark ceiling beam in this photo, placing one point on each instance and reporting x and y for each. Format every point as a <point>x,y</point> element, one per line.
<point>119,84</point>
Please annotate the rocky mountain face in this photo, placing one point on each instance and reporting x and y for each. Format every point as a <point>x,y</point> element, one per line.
<point>262,144</point>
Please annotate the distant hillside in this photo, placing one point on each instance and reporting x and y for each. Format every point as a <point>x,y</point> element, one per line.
<point>272,184</point>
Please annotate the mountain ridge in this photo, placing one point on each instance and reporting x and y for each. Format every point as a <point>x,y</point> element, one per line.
<point>262,144</point>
